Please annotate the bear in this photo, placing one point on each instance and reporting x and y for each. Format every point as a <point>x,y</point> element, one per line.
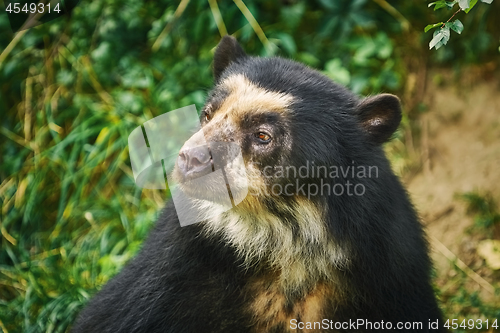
<point>325,240</point>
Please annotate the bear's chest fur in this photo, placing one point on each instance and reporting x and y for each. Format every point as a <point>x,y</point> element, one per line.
<point>272,309</point>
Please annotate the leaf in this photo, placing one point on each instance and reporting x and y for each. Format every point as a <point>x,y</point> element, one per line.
<point>440,38</point>
<point>308,58</point>
<point>292,15</point>
<point>384,45</point>
<point>443,4</point>
<point>457,26</point>
<point>337,72</point>
<point>472,4</point>
<point>432,26</point>
<point>450,4</point>
<point>464,4</point>
<point>438,4</point>
<point>287,43</point>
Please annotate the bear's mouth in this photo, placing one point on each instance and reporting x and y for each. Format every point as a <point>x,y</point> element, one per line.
<point>210,187</point>
<point>214,173</point>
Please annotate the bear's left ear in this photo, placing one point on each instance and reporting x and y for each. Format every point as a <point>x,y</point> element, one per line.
<point>379,116</point>
<point>227,51</point>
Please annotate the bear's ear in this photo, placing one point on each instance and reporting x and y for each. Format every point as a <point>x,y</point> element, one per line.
<point>227,51</point>
<point>379,116</point>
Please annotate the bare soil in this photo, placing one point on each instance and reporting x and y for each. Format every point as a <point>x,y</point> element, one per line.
<point>459,149</point>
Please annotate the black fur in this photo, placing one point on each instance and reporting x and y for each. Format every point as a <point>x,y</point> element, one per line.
<point>185,281</point>
<point>227,51</point>
<point>380,116</point>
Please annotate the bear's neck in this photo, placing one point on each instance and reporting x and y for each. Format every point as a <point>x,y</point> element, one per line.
<point>291,243</point>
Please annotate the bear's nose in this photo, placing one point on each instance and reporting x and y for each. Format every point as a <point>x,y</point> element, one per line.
<point>195,162</point>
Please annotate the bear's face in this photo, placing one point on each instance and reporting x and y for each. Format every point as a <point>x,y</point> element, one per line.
<point>281,115</point>
<point>253,119</point>
<point>256,120</point>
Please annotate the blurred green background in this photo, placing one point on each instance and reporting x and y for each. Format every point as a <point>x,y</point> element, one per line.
<point>73,89</point>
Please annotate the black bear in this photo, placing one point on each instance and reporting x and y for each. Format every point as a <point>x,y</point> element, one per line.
<point>326,240</point>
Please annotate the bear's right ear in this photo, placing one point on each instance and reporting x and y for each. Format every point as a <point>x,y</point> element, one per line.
<point>379,116</point>
<point>227,51</point>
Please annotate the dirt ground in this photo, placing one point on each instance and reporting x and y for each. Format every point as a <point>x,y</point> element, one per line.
<point>459,148</point>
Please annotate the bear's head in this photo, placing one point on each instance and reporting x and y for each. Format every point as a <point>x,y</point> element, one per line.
<point>284,116</point>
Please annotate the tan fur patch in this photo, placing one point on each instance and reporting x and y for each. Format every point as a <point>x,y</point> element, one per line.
<point>302,257</point>
<point>245,96</point>
<point>257,187</point>
<point>270,308</point>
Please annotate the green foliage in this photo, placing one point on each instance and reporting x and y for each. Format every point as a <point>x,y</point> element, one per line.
<point>459,296</point>
<point>458,299</point>
<point>442,4</point>
<point>483,208</point>
<point>442,36</point>
<point>462,304</point>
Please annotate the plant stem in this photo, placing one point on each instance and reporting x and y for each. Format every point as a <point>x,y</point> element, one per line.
<point>459,9</point>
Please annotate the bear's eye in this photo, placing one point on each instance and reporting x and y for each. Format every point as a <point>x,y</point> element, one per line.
<point>263,137</point>
<point>206,112</point>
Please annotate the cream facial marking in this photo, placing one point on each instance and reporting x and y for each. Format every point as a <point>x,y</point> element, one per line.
<point>244,96</point>
<point>259,236</point>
